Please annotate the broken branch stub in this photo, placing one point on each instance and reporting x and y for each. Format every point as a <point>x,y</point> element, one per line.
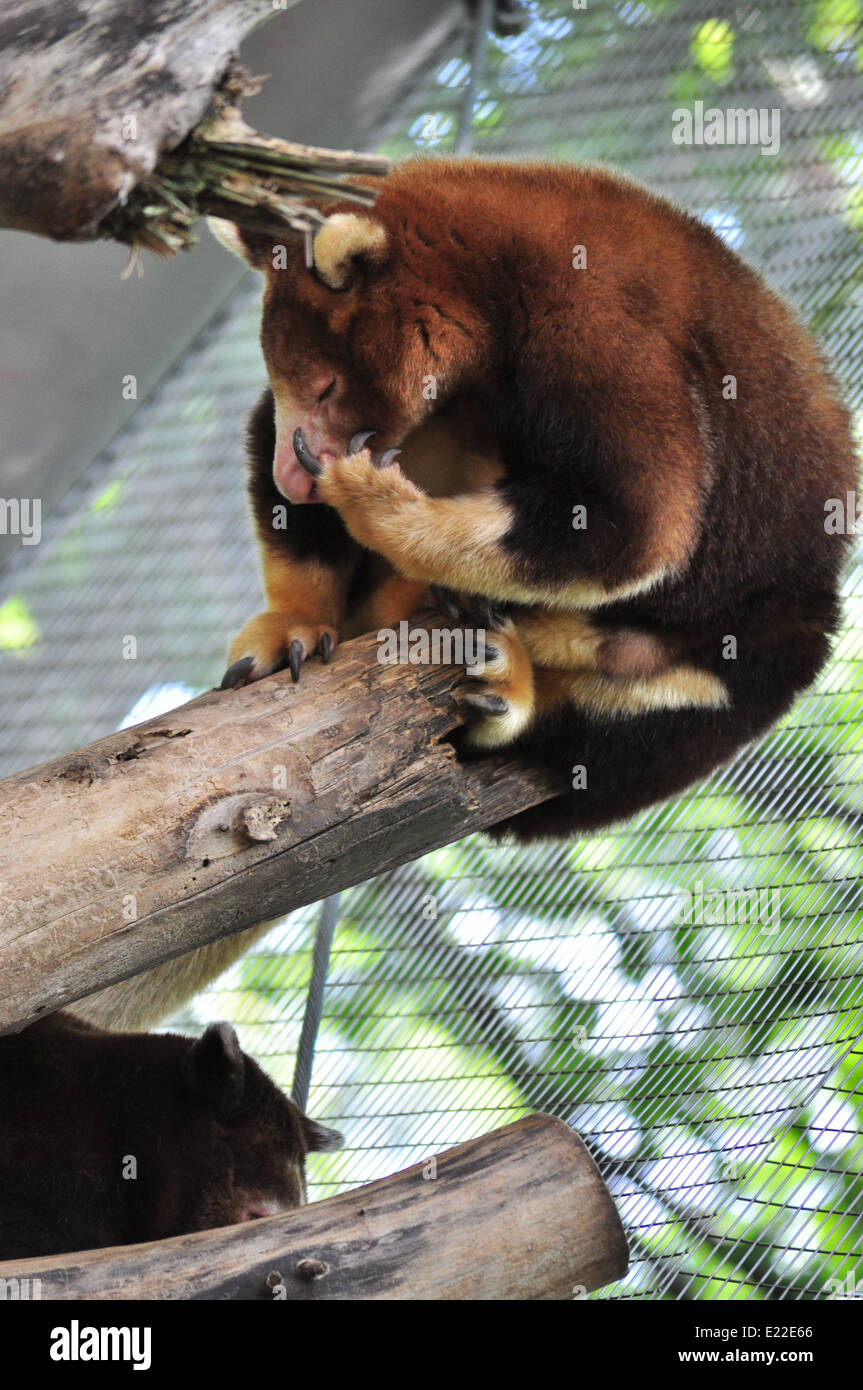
<point>121,120</point>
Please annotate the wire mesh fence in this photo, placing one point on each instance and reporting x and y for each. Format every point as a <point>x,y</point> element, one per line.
<point>685,990</point>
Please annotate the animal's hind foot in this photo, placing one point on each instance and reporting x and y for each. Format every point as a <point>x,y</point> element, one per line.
<point>498,694</point>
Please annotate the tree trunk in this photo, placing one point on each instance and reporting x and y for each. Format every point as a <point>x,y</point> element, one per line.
<point>120,119</point>
<point>521,1213</point>
<point>239,806</point>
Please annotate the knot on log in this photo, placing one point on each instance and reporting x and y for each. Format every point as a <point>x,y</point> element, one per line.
<point>231,824</point>
<point>260,819</point>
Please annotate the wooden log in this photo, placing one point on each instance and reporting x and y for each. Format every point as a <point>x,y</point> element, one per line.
<point>521,1213</point>
<point>93,100</point>
<point>106,116</point>
<point>237,807</point>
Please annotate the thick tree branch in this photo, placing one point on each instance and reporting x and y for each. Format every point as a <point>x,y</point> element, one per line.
<point>521,1213</point>
<point>121,120</point>
<point>233,809</point>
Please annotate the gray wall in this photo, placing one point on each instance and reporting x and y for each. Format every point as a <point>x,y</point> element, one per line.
<point>70,328</point>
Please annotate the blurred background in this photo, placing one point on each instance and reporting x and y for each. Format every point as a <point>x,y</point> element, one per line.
<point>711,1057</point>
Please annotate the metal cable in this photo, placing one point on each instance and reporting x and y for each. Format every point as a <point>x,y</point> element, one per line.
<point>326,929</point>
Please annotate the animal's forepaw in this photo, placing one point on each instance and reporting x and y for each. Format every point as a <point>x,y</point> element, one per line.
<point>361,488</point>
<point>498,695</point>
<point>273,641</point>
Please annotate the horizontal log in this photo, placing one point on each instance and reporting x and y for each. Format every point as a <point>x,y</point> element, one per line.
<point>521,1213</point>
<point>233,809</point>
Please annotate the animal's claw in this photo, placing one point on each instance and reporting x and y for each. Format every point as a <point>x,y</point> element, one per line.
<point>326,648</point>
<point>313,465</point>
<point>483,703</point>
<point>310,462</point>
<point>295,657</point>
<point>494,618</point>
<point>236,674</point>
<point>479,612</point>
<point>359,440</point>
<point>447,601</point>
<point>388,458</point>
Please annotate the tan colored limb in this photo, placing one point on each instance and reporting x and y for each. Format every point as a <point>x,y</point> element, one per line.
<point>454,542</point>
<point>306,601</point>
<point>680,687</point>
<point>392,600</point>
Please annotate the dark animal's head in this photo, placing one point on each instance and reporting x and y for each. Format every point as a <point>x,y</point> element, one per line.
<point>243,1142</point>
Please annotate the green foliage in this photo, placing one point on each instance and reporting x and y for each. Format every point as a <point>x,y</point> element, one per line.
<point>712,49</point>
<point>18,628</point>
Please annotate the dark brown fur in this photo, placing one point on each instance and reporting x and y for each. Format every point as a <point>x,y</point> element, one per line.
<point>601,387</point>
<point>214,1139</point>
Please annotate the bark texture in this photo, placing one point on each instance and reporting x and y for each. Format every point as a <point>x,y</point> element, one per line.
<point>521,1213</point>
<point>235,808</point>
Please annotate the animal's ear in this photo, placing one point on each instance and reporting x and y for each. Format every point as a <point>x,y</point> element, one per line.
<point>319,1138</point>
<point>255,248</point>
<point>216,1069</point>
<point>347,245</point>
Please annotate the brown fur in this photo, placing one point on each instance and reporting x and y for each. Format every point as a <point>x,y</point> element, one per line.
<point>471,285</point>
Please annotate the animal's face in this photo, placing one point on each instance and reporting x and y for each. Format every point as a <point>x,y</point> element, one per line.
<point>359,341</point>
<point>247,1142</point>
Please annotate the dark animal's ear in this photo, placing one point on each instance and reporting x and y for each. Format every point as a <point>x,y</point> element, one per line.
<point>319,1138</point>
<point>255,248</point>
<point>348,245</point>
<point>216,1069</point>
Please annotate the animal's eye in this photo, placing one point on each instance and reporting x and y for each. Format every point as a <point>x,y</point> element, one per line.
<point>327,391</point>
